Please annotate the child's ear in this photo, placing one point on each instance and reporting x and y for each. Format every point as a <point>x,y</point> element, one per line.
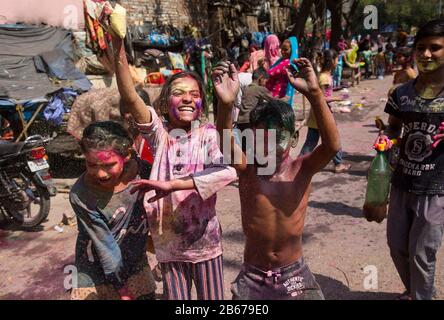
<point>129,156</point>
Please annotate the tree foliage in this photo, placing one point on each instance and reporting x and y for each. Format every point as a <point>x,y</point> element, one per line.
<point>404,13</point>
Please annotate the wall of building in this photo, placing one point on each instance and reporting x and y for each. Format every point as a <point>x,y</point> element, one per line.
<point>177,13</point>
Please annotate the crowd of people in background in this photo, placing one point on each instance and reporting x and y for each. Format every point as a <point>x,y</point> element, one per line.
<point>262,72</point>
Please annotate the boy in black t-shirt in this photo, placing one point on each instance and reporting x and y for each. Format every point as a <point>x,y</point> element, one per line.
<point>415,223</point>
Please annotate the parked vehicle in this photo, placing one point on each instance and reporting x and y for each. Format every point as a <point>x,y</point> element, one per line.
<point>25,182</point>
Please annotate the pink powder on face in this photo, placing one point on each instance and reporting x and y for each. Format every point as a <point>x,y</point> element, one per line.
<point>174,103</point>
<point>104,167</point>
<point>189,77</point>
<point>185,88</point>
<point>109,156</point>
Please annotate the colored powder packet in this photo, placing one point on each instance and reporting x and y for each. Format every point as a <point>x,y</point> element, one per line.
<point>118,21</point>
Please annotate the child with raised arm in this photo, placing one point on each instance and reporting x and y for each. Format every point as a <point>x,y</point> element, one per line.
<point>274,204</point>
<point>187,172</point>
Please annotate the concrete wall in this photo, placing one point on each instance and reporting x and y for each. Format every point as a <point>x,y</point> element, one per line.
<point>178,13</point>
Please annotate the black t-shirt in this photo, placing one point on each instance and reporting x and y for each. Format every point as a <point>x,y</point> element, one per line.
<point>420,168</point>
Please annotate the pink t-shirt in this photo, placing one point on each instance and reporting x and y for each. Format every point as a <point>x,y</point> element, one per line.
<point>184,225</point>
<point>278,81</point>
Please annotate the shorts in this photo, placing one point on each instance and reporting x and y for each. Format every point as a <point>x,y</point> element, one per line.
<point>293,282</point>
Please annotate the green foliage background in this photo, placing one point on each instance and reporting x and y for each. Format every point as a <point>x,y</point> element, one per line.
<point>404,13</point>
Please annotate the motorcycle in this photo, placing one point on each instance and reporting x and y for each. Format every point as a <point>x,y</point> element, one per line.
<point>25,182</point>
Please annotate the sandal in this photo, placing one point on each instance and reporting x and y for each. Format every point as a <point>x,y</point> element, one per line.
<point>343,167</point>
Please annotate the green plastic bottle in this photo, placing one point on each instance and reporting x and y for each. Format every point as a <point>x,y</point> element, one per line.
<point>378,186</point>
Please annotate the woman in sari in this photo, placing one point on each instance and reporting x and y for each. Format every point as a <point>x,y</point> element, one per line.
<point>278,83</point>
<point>271,49</point>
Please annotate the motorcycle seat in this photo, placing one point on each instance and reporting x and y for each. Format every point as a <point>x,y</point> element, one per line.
<point>8,148</point>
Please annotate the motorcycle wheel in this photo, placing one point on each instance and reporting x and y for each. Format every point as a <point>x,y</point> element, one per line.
<point>38,208</point>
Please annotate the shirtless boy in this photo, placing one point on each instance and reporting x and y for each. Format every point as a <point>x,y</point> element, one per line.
<point>274,206</point>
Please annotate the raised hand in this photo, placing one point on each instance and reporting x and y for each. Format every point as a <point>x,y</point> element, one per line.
<point>162,188</point>
<point>305,81</point>
<point>226,82</point>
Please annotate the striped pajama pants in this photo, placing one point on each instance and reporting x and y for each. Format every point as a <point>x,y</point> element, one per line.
<point>207,275</point>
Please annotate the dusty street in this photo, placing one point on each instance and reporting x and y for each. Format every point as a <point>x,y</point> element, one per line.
<point>339,244</point>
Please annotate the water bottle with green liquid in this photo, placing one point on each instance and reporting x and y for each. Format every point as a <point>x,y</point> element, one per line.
<point>378,186</point>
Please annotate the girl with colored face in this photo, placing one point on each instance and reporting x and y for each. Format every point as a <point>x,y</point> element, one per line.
<point>182,100</point>
<point>185,102</point>
<point>180,195</point>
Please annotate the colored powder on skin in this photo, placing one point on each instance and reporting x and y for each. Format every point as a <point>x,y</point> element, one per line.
<point>428,93</point>
<point>424,66</point>
<point>198,103</point>
<point>284,139</point>
<point>174,103</point>
<point>109,155</point>
<point>184,87</point>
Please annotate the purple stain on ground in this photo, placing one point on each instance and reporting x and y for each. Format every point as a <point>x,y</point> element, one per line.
<point>17,240</point>
<point>45,283</point>
<point>38,251</point>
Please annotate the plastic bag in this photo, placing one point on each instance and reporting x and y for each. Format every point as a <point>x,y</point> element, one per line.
<point>118,21</point>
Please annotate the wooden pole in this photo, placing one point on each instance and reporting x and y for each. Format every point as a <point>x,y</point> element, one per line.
<point>25,129</point>
<point>19,109</point>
